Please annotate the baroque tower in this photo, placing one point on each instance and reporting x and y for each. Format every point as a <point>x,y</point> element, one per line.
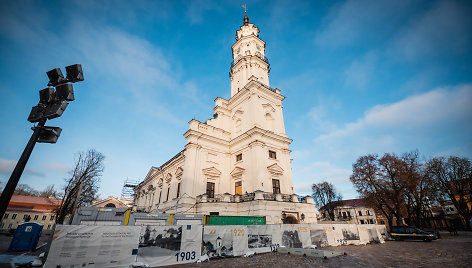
<point>237,163</point>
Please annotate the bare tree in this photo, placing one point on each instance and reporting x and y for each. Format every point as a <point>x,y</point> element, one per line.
<point>326,197</point>
<point>453,175</point>
<point>25,189</point>
<point>87,171</point>
<point>379,182</point>
<point>49,191</point>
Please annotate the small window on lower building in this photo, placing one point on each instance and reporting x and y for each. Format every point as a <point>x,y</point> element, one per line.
<point>13,216</point>
<point>239,157</point>
<point>362,221</point>
<point>49,226</point>
<point>382,222</point>
<point>35,217</point>
<point>5,216</point>
<point>26,216</point>
<point>272,155</point>
<point>52,218</point>
<point>344,214</point>
<point>44,217</point>
<point>360,213</point>
<point>214,213</point>
<point>371,221</point>
<point>10,225</point>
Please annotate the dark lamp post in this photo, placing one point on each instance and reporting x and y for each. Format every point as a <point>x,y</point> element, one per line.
<point>52,103</point>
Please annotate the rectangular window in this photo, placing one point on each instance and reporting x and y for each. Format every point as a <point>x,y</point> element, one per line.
<point>239,157</point>
<point>26,216</point>
<point>360,213</point>
<point>1,225</point>
<point>371,221</point>
<point>5,216</point>
<point>210,189</point>
<point>36,217</point>
<point>382,222</point>
<point>272,155</point>
<point>167,197</point>
<point>178,189</point>
<point>368,212</point>
<point>52,218</point>
<point>13,216</point>
<point>344,215</point>
<point>276,186</point>
<point>10,225</point>
<point>44,217</point>
<point>362,221</point>
<point>349,214</point>
<point>160,194</point>
<point>214,213</point>
<point>238,187</point>
<point>49,226</point>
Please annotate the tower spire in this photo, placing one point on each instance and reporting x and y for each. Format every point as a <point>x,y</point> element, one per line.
<point>246,18</point>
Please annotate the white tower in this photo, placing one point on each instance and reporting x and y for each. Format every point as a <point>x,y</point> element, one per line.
<point>248,58</point>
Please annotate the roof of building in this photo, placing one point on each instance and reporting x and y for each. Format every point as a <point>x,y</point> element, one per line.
<point>30,203</point>
<point>348,203</point>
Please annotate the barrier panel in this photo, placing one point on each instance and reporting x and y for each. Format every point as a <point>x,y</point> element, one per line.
<point>117,246</point>
<point>221,241</point>
<point>166,245</point>
<point>93,246</point>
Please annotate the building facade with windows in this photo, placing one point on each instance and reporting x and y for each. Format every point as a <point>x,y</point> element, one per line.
<point>351,211</point>
<point>37,209</point>
<point>238,162</point>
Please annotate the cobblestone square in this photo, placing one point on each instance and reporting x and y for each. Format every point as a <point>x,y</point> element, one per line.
<point>448,251</point>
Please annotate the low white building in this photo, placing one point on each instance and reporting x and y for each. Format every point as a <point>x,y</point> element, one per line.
<point>351,211</point>
<point>237,163</point>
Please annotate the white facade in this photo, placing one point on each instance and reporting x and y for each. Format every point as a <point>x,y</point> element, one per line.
<point>237,163</point>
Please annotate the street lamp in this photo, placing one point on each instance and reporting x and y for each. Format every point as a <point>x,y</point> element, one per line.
<point>53,101</point>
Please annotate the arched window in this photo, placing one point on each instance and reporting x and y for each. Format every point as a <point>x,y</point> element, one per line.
<point>110,205</point>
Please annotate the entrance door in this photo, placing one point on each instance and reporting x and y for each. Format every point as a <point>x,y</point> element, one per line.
<point>238,187</point>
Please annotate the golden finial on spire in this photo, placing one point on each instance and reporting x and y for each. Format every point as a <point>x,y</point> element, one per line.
<point>245,8</point>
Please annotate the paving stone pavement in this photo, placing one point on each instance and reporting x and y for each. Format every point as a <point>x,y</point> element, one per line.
<point>448,251</point>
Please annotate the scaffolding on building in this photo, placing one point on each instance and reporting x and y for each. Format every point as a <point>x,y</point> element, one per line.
<point>128,188</point>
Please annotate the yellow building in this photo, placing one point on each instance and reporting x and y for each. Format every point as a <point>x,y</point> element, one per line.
<point>38,209</point>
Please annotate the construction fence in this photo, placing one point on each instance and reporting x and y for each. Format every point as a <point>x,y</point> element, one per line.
<point>160,245</point>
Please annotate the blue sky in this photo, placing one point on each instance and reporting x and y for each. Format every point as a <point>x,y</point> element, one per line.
<point>358,76</point>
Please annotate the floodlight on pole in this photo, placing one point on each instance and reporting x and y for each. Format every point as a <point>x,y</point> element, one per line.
<point>74,73</point>
<point>55,77</point>
<point>46,95</point>
<point>52,104</point>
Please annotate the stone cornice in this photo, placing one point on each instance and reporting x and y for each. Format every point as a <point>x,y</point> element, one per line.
<point>257,130</point>
<point>201,135</point>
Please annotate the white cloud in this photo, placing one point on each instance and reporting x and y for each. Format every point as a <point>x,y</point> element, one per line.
<point>443,29</point>
<point>7,166</point>
<point>57,167</point>
<point>418,118</point>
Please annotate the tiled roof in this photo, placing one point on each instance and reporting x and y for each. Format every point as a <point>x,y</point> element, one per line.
<point>35,200</point>
<point>349,203</point>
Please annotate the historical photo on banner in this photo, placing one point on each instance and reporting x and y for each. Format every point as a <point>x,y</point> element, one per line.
<point>225,241</point>
<point>93,246</point>
<point>259,238</point>
<point>166,245</point>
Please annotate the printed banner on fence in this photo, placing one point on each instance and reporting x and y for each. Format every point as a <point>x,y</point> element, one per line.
<point>93,246</point>
<point>166,245</point>
<point>222,241</point>
<point>259,238</point>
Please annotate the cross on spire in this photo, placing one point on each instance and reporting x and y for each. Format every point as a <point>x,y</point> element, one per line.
<point>245,8</point>
<point>246,18</point>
